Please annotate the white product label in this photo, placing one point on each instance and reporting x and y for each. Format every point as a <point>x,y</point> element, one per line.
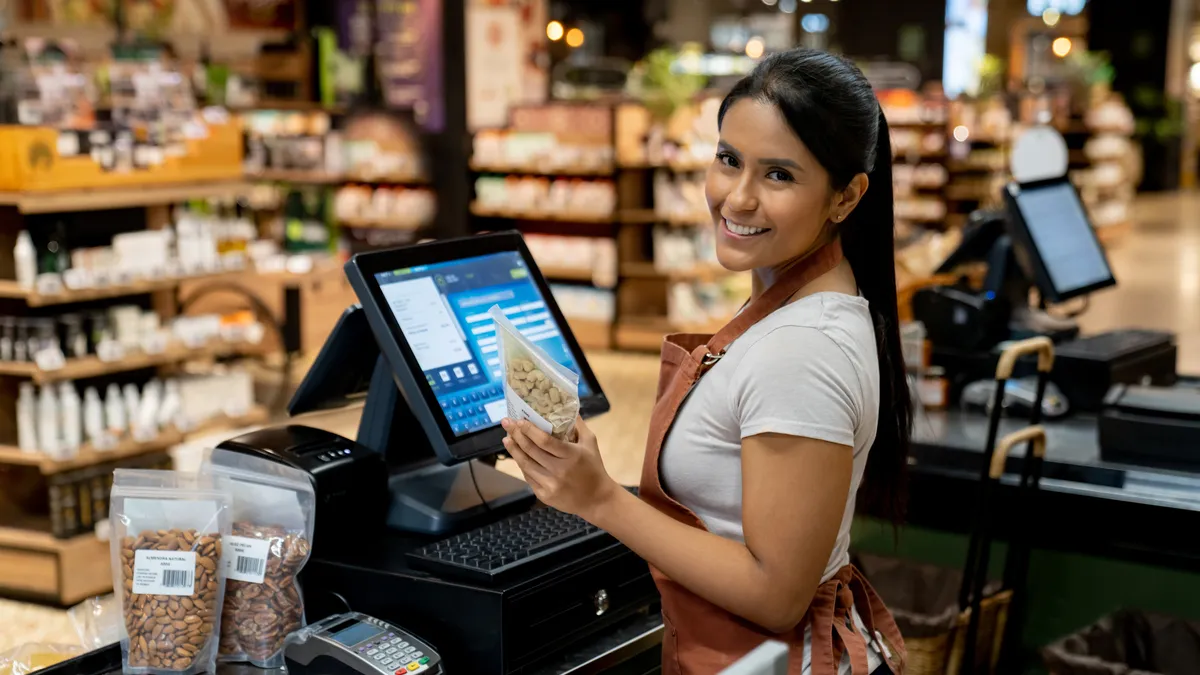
<point>246,558</point>
<point>68,144</point>
<point>154,343</point>
<point>49,284</point>
<point>164,572</point>
<point>49,359</point>
<point>518,409</point>
<point>110,350</point>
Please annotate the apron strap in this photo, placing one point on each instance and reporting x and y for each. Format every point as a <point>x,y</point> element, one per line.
<point>795,278</point>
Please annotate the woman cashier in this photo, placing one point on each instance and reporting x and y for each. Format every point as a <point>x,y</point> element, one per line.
<point>760,437</point>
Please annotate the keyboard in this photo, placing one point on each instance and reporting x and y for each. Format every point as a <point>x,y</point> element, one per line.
<point>518,544</point>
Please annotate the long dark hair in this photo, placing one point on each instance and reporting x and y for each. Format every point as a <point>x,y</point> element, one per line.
<point>831,107</point>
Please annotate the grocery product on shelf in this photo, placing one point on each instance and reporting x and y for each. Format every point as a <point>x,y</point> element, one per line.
<point>541,152</point>
<point>582,302</point>
<point>562,257</point>
<point>679,198</point>
<point>560,197</point>
<point>393,207</point>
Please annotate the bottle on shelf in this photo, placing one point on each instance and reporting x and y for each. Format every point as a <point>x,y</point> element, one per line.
<point>72,417</point>
<point>132,401</point>
<point>47,422</point>
<point>145,425</point>
<point>114,411</point>
<point>27,406</point>
<point>93,415</point>
<point>25,260</point>
<point>172,402</point>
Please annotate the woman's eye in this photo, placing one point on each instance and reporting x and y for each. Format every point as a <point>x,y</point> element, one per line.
<point>776,174</point>
<point>727,159</point>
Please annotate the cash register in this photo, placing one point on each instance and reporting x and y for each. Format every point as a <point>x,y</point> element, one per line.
<point>416,526</point>
<point>1042,238</point>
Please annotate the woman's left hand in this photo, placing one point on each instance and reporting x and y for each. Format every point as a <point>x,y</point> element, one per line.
<point>567,476</point>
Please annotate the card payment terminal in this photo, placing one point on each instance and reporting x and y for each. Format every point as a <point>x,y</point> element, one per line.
<point>357,643</point>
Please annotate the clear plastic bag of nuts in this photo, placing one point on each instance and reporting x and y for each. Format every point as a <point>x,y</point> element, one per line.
<point>536,387</point>
<point>166,545</point>
<point>273,509</point>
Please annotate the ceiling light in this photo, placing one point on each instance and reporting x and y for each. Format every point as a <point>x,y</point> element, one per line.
<point>574,37</point>
<point>754,47</point>
<point>961,133</point>
<point>554,30</point>
<point>1050,17</point>
<point>1061,47</point>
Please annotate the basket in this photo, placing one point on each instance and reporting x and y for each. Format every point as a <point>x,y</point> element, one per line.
<point>947,634</point>
<point>1128,642</point>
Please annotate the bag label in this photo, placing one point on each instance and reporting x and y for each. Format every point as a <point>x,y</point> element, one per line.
<point>246,558</point>
<point>164,572</point>
<point>518,410</point>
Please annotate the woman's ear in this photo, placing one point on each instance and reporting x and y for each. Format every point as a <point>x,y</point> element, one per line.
<point>845,201</point>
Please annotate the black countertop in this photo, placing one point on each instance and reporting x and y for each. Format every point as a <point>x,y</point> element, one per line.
<point>630,648</point>
<point>1085,505</point>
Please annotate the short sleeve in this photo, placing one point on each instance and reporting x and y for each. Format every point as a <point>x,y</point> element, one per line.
<point>797,381</point>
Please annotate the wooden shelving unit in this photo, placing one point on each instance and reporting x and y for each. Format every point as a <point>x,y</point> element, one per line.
<point>322,178</point>
<point>65,201</point>
<point>548,217</point>
<point>35,298</point>
<point>89,455</point>
<point>91,366</point>
<point>566,171</point>
<point>62,571</point>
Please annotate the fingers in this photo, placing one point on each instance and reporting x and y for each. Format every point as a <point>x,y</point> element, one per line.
<point>584,435</point>
<point>543,440</point>
<point>531,449</point>
<point>535,474</point>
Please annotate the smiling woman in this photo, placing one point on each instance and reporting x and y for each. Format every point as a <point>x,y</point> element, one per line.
<point>761,435</point>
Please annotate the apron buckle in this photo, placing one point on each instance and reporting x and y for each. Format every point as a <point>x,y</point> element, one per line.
<point>710,360</point>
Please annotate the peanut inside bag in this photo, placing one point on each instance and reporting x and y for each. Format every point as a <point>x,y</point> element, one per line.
<point>536,387</point>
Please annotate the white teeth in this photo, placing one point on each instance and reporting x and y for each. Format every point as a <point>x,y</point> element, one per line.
<point>743,230</point>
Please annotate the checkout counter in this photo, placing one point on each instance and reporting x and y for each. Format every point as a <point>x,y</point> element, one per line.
<point>1123,428</point>
<point>415,525</point>
<point>394,502</point>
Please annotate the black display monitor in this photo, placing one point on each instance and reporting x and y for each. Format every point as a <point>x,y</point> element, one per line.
<point>1055,241</point>
<point>427,307</point>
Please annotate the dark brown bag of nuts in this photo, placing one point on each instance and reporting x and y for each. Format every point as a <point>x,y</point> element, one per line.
<point>273,508</point>
<point>168,532</point>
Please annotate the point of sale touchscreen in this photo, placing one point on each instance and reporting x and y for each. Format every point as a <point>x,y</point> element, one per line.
<point>443,311</point>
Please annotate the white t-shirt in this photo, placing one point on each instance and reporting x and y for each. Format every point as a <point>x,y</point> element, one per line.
<point>809,369</point>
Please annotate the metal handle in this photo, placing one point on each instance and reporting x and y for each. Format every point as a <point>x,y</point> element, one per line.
<point>1008,358</point>
<point>1036,435</point>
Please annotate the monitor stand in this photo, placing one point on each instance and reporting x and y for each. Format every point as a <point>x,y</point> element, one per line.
<point>1006,279</point>
<point>428,497</point>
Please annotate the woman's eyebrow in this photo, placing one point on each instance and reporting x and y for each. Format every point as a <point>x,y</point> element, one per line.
<point>781,161</point>
<point>722,145</point>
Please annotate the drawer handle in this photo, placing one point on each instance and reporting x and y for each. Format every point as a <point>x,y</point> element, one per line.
<point>600,601</point>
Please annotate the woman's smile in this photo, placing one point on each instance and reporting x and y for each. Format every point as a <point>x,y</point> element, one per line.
<point>738,231</point>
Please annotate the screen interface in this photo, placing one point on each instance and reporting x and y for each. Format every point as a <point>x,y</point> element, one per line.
<point>1063,236</point>
<point>355,634</point>
<point>443,311</point>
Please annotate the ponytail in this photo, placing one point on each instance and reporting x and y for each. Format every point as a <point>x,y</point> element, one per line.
<point>868,241</point>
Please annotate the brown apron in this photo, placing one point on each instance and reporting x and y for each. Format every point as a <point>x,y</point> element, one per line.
<point>706,638</point>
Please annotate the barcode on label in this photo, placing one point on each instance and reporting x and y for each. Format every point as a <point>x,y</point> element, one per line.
<point>249,565</point>
<point>177,578</point>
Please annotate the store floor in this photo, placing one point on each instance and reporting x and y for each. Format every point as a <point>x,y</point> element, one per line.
<point>1157,265</point>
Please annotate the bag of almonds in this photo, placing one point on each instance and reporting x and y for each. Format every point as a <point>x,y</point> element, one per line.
<point>273,514</point>
<point>536,387</point>
<point>167,535</point>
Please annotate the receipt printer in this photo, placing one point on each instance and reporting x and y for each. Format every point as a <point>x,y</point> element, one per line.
<point>1154,426</point>
<point>350,479</point>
